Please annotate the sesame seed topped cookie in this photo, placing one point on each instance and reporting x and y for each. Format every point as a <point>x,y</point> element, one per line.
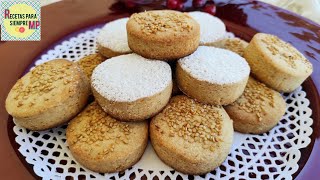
<point>191,137</point>
<point>49,95</point>
<point>103,144</point>
<point>163,34</point>
<point>277,63</point>
<point>236,45</point>
<point>258,110</point>
<point>89,62</point>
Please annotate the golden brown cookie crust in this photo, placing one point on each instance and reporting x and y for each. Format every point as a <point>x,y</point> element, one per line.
<point>163,34</point>
<point>277,63</point>
<point>258,110</point>
<point>108,53</point>
<point>49,95</point>
<point>191,137</point>
<point>203,91</point>
<point>103,144</point>
<point>89,62</point>
<point>236,45</point>
<point>137,110</point>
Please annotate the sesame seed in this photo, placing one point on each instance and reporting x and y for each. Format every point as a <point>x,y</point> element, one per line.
<point>212,148</point>
<point>153,22</point>
<point>101,127</point>
<point>255,97</point>
<point>43,80</point>
<point>200,129</point>
<point>235,44</point>
<point>284,51</point>
<point>88,63</point>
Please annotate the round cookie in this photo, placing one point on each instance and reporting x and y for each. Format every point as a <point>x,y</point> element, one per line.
<point>191,137</point>
<point>49,95</point>
<point>132,88</point>
<point>212,28</point>
<point>258,110</point>
<point>212,75</point>
<point>163,34</point>
<point>112,40</point>
<point>88,63</point>
<point>277,63</point>
<point>236,45</point>
<point>103,144</point>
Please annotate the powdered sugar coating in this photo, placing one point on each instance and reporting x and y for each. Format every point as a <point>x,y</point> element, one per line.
<point>130,77</point>
<point>114,36</point>
<point>211,28</point>
<point>215,65</point>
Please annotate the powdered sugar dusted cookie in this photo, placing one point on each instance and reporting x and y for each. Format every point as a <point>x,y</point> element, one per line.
<point>131,88</point>
<point>212,28</point>
<point>112,39</point>
<point>212,75</point>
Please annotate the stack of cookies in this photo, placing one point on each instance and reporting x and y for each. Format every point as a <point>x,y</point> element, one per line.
<point>175,70</point>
